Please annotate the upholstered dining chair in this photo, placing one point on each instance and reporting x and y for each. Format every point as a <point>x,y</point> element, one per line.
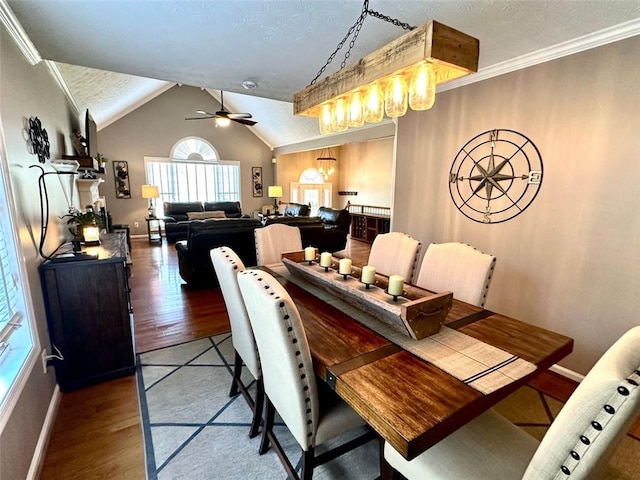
<point>395,253</point>
<point>289,378</point>
<point>227,264</point>
<point>458,268</point>
<point>274,239</point>
<point>577,445</point>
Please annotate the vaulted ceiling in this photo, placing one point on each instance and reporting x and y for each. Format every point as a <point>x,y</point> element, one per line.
<point>115,55</point>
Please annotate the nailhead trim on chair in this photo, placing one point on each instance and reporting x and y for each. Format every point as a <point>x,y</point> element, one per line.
<point>303,377</point>
<point>581,448</point>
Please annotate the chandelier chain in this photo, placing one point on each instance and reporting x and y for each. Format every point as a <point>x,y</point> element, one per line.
<point>355,31</point>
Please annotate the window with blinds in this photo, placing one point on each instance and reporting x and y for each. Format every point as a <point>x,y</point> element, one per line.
<point>193,173</point>
<point>16,339</point>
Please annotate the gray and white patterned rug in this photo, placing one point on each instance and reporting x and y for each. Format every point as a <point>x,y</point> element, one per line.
<point>193,429</point>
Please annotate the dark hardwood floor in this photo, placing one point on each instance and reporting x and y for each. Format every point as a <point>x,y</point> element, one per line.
<point>97,432</point>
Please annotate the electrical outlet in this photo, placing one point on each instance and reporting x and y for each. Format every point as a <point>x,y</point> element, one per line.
<point>136,224</point>
<point>43,357</point>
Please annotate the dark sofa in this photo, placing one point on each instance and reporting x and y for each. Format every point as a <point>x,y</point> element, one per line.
<point>296,210</point>
<point>237,234</point>
<point>193,253</point>
<point>176,220</point>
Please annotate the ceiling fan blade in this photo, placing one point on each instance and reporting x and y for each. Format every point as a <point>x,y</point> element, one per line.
<point>240,115</point>
<point>203,112</point>
<point>200,118</point>
<point>249,123</point>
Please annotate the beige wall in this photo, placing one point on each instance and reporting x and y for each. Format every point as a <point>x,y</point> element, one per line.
<point>570,262</point>
<point>364,167</point>
<point>153,129</point>
<point>27,91</point>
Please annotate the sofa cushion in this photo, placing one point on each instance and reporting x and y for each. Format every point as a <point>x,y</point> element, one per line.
<point>177,211</point>
<point>206,215</point>
<point>230,209</point>
<point>296,210</point>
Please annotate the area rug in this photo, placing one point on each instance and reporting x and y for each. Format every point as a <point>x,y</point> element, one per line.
<point>194,430</point>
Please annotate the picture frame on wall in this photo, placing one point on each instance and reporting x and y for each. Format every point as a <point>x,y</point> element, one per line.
<point>121,179</point>
<point>256,175</point>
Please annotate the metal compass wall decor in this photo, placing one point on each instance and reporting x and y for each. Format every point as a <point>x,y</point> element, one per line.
<point>39,139</point>
<point>495,176</point>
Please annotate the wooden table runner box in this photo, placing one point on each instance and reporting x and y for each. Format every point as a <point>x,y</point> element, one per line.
<point>417,313</point>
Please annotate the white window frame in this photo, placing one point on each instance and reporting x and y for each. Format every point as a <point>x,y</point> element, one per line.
<point>311,179</point>
<point>15,364</point>
<point>202,152</point>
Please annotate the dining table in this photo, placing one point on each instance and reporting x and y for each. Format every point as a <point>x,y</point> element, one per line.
<point>413,403</point>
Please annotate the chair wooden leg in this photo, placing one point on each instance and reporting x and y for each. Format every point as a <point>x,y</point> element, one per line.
<point>387,472</point>
<point>257,411</point>
<point>269,413</point>
<point>306,470</point>
<point>237,371</point>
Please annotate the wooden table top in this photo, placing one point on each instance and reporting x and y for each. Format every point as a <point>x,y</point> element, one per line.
<point>410,402</point>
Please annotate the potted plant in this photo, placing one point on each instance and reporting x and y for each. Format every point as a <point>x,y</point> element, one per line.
<point>77,222</point>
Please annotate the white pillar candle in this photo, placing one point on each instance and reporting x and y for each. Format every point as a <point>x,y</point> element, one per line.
<point>345,266</point>
<point>396,285</point>
<point>368,274</point>
<point>325,259</point>
<point>310,253</point>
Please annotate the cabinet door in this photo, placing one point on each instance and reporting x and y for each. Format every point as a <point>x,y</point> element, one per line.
<point>89,322</point>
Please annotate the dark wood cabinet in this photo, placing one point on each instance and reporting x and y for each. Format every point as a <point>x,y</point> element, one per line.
<point>89,315</point>
<point>368,221</point>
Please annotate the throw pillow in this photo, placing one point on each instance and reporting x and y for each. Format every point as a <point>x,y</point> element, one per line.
<point>205,215</point>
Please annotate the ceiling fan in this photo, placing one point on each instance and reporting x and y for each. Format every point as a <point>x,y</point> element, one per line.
<point>224,117</point>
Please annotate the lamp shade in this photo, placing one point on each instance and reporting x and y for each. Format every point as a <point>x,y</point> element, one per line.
<point>150,191</point>
<point>275,191</point>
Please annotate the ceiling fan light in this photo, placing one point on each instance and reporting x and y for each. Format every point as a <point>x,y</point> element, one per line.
<point>222,122</point>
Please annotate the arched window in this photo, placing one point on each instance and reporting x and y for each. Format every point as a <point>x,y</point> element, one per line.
<point>193,172</point>
<point>194,148</point>
<point>311,189</point>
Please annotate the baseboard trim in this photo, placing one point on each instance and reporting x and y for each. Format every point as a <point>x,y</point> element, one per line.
<point>565,372</point>
<point>45,434</point>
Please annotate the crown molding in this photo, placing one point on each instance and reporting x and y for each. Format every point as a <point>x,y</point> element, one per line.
<point>576,45</point>
<point>18,34</point>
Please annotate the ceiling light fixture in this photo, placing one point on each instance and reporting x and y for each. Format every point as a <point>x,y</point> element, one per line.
<point>222,121</point>
<point>327,163</point>
<point>249,85</point>
<point>403,73</point>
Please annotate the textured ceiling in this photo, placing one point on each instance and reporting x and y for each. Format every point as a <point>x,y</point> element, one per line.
<point>279,44</point>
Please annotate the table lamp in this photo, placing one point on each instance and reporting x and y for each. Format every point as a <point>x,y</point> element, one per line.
<point>151,192</point>
<point>275,192</point>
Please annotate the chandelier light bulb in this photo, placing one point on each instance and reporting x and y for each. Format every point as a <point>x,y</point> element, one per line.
<point>324,120</point>
<point>395,99</point>
<point>422,87</point>
<point>374,103</point>
<point>356,104</point>
<point>339,118</point>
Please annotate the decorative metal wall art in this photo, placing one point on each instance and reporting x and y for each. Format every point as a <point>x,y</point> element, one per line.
<point>121,174</point>
<point>39,139</point>
<point>495,176</point>
<point>256,175</point>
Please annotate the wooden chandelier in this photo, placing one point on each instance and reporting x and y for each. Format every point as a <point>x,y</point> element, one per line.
<point>448,53</point>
